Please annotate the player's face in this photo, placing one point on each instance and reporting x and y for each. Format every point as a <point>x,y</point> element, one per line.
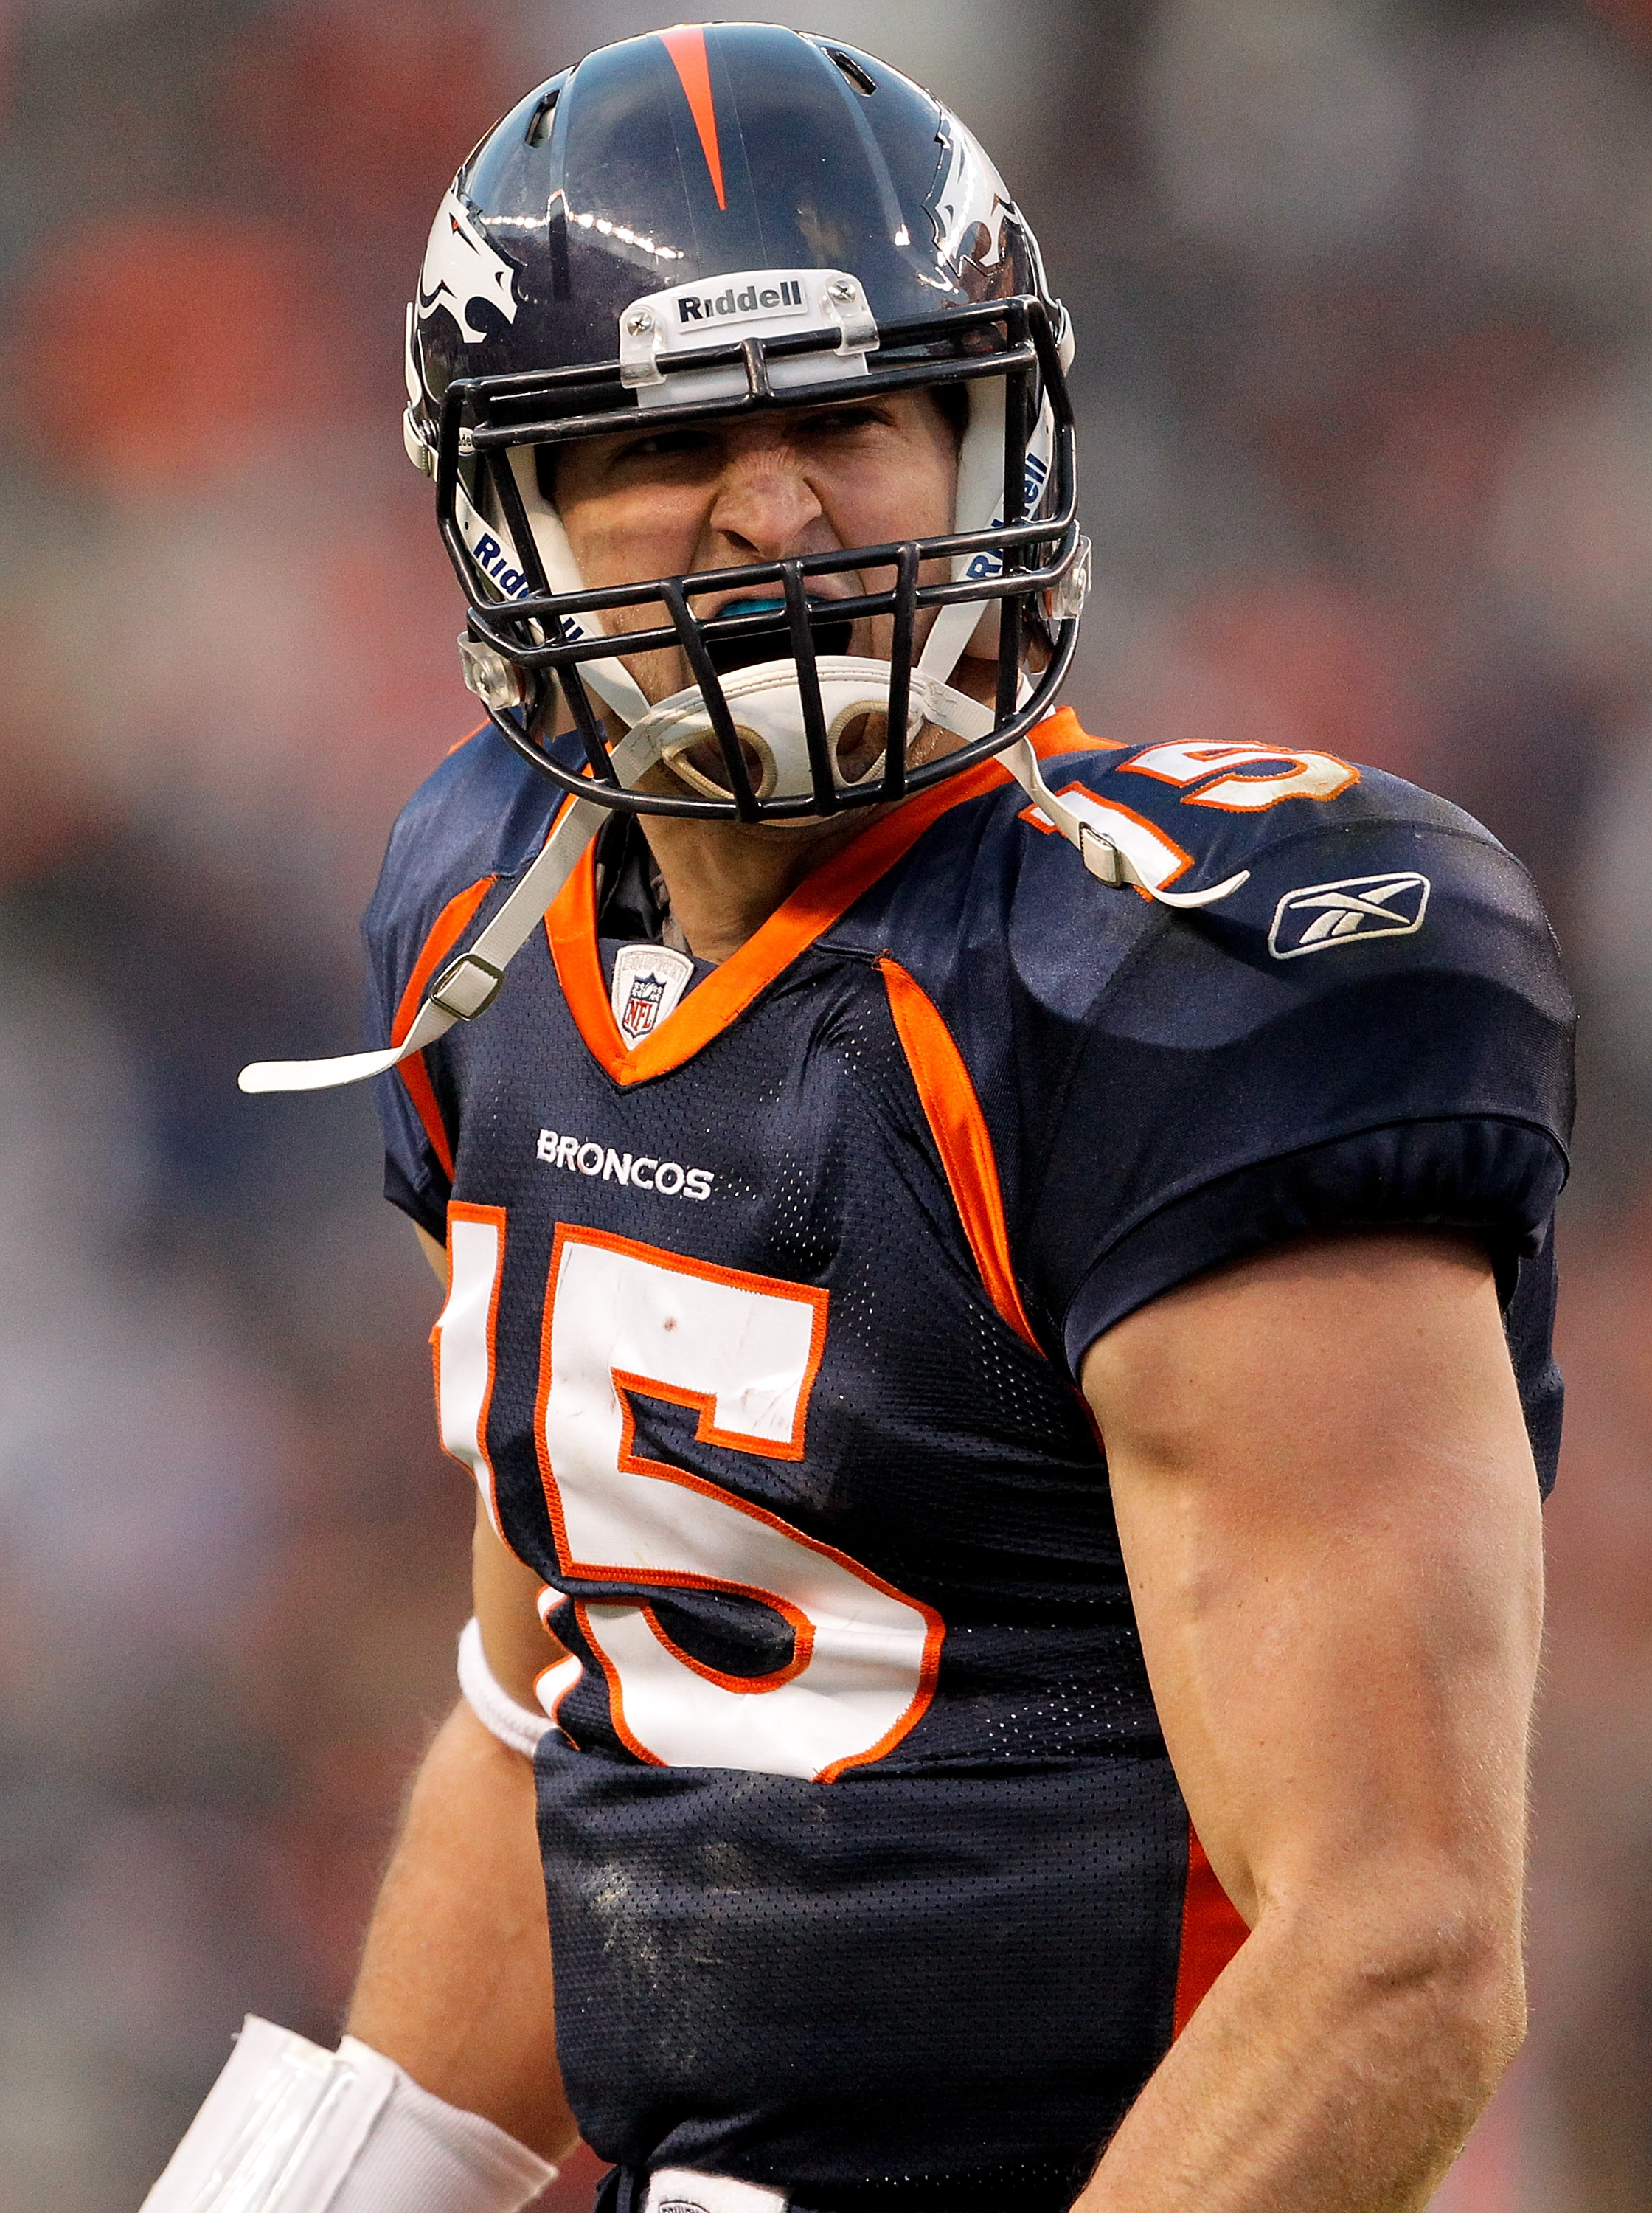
<point>724,495</point>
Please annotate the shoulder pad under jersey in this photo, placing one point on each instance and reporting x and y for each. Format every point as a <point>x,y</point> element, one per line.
<point>482,813</point>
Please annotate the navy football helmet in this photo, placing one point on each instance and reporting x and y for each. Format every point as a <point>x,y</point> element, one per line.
<point>707,221</point>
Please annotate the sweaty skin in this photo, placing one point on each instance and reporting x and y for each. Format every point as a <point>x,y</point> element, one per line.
<point>1338,1582</point>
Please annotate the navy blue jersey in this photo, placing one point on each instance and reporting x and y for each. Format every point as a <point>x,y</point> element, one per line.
<point>869,1875</point>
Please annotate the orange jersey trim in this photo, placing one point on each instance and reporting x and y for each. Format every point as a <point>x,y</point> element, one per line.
<point>959,1128</point>
<point>1062,733</point>
<point>444,933</point>
<point>686,45</point>
<point>1212,1931</point>
<point>818,902</point>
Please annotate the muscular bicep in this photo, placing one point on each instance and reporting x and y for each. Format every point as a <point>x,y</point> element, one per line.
<point>1330,1518</point>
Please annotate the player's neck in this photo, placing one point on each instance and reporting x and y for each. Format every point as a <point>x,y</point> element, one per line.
<point>724,880</point>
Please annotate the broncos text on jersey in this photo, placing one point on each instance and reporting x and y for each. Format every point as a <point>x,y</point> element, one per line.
<point>762,1345</point>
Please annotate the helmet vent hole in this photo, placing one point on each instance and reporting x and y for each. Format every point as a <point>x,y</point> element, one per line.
<point>860,745</point>
<point>852,70</point>
<point>702,765</point>
<point>539,123</point>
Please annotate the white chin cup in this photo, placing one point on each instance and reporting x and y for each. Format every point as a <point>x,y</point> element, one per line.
<point>288,2128</point>
<point>766,704</point>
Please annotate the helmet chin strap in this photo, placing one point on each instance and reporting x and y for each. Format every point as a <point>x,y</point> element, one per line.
<point>980,496</point>
<point>611,681</point>
<point>1111,848</point>
<point>469,985</point>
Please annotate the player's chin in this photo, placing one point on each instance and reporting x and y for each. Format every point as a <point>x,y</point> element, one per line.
<point>705,777</point>
<point>859,746</point>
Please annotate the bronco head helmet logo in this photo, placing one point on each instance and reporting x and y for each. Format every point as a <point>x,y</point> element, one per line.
<point>461,267</point>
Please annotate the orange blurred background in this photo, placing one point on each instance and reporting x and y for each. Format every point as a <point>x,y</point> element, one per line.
<point>1363,291</point>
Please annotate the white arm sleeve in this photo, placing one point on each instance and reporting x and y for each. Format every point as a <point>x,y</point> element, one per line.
<point>494,1707</point>
<point>288,2128</point>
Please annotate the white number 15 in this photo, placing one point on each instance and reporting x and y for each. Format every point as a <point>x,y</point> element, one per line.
<point>621,1319</point>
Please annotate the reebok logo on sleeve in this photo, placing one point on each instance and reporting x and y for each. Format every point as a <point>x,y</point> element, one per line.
<point>1321,917</point>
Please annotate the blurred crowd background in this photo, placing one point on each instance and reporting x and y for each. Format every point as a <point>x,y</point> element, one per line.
<point>1364,293</point>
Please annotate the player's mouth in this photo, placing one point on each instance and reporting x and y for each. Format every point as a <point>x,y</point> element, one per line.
<point>773,641</point>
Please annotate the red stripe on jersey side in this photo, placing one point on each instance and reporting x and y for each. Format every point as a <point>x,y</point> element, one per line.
<point>959,1128</point>
<point>686,46</point>
<point>813,908</point>
<point>444,933</point>
<point>1212,1931</point>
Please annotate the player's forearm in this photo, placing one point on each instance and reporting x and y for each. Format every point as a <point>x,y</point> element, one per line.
<point>1336,2067</point>
<point>455,1981</point>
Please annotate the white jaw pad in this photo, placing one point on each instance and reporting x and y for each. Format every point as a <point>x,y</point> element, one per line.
<point>766,704</point>
<point>288,2128</point>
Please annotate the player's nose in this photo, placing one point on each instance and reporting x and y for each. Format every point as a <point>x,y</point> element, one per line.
<point>765,508</point>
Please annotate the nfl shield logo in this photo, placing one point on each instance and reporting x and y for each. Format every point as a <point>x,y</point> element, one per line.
<point>642,1007</point>
<point>648,982</point>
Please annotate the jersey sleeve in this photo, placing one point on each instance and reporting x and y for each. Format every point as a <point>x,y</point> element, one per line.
<point>415,1178</point>
<point>1374,1032</point>
<point>467,830</point>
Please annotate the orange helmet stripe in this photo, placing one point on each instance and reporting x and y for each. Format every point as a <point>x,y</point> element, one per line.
<point>686,46</point>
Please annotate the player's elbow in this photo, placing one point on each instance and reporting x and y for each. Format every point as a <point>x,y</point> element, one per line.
<point>1444,1982</point>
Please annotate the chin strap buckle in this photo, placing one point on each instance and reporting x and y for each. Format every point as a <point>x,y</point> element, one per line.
<point>1104,860</point>
<point>1065,600</point>
<point>493,679</point>
<point>1107,859</point>
<point>468,989</point>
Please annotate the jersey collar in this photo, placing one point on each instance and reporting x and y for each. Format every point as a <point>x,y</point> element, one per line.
<point>811,910</point>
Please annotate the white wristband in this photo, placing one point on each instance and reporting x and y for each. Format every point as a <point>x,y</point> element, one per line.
<point>288,2128</point>
<point>493,1706</point>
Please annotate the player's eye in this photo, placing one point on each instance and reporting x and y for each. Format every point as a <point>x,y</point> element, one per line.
<point>684,444</point>
<point>842,422</point>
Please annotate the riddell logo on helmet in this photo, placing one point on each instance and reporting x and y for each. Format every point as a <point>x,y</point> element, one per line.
<point>782,298</point>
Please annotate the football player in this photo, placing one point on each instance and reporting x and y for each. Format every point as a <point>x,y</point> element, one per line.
<point>999,1287</point>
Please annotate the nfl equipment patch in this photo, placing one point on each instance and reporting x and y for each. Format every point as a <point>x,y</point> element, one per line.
<point>680,2190</point>
<point>1321,915</point>
<point>648,982</point>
